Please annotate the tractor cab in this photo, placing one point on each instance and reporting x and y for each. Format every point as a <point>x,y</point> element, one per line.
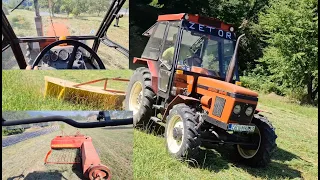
<point>42,35</point>
<point>195,44</point>
<point>185,46</point>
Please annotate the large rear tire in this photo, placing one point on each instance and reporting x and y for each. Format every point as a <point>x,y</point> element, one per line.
<point>181,134</point>
<point>140,97</point>
<point>261,156</point>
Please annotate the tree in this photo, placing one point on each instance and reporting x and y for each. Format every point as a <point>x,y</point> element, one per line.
<point>67,6</point>
<point>290,28</point>
<point>52,5</point>
<point>98,6</point>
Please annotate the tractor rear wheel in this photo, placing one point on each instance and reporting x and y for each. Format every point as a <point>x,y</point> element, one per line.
<point>180,133</point>
<point>261,156</point>
<point>140,97</point>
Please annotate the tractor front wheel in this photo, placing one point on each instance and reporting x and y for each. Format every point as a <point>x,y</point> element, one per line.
<point>181,134</point>
<point>261,156</point>
<point>140,97</point>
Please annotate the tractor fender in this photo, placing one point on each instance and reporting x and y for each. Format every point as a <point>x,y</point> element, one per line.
<point>177,100</point>
<point>153,68</point>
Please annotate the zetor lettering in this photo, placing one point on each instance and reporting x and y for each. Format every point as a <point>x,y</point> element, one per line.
<point>211,30</point>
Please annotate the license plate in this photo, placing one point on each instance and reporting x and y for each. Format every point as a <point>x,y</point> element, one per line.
<point>241,128</point>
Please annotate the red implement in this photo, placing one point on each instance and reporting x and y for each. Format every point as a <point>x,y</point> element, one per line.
<point>92,167</point>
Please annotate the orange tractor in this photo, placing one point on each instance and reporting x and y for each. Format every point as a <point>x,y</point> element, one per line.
<point>190,85</point>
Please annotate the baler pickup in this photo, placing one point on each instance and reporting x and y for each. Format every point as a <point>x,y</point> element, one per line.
<point>92,167</point>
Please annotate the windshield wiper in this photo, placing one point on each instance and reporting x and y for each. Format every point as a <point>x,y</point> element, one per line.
<point>17,5</point>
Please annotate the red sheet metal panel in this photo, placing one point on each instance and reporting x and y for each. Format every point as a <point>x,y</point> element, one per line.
<point>89,156</point>
<point>76,141</point>
<point>170,17</point>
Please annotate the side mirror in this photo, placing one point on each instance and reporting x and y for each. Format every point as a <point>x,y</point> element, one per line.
<point>230,71</point>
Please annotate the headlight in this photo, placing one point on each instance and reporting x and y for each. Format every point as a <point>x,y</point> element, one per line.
<point>237,109</point>
<point>249,111</point>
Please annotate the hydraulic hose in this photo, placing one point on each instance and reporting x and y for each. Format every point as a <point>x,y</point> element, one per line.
<point>71,122</point>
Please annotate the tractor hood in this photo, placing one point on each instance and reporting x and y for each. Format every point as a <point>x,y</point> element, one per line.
<point>224,87</point>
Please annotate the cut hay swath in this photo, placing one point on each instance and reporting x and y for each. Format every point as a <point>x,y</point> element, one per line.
<point>102,97</point>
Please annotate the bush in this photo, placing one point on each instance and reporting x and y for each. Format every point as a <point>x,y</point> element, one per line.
<point>250,83</point>
<point>7,132</point>
<point>259,83</point>
<point>20,22</point>
<point>29,8</point>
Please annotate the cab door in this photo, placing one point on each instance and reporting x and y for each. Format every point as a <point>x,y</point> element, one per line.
<point>167,57</point>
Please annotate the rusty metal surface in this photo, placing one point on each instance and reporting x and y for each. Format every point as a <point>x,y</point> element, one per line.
<point>105,83</point>
<point>99,171</point>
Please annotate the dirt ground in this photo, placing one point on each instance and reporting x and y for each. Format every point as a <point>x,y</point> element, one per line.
<point>25,160</point>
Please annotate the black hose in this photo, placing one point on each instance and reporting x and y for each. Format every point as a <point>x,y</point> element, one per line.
<point>71,122</point>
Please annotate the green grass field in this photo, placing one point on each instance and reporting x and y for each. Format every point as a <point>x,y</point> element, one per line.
<point>26,159</point>
<point>296,127</point>
<point>81,25</point>
<point>295,158</point>
<point>24,90</point>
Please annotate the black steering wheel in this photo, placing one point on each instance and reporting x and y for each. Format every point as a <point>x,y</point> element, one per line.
<point>193,61</point>
<point>76,45</point>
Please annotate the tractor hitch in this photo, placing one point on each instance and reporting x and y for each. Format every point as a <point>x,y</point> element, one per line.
<point>223,137</point>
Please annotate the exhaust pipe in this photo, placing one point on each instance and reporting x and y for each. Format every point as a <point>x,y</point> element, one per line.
<point>233,61</point>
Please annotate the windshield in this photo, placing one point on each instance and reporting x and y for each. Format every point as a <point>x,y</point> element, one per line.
<point>205,53</point>
<point>57,17</point>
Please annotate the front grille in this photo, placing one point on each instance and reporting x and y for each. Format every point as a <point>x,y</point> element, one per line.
<point>218,106</point>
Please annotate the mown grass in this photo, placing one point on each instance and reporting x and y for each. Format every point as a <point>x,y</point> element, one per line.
<point>24,90</point>
<point>296,127</point>
<point>295,158</point>
<point>26,159</point>
<point>81,25</point>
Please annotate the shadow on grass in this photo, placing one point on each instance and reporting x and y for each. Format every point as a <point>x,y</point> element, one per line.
<point>40,175</point>
<point>219,158</point>
<point>77,169</point>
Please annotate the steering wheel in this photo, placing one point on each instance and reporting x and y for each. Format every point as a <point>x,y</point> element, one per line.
<point>192,61</point>
<point>76,45</point>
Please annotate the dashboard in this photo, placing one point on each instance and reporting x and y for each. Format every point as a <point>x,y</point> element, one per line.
<point>58,58</point>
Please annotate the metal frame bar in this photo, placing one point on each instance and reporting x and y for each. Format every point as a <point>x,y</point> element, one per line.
<point>9,35</point>
<point>105,83</point>
<point>48,162</point>
<point>52,38</point>
<point>106,41</point>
